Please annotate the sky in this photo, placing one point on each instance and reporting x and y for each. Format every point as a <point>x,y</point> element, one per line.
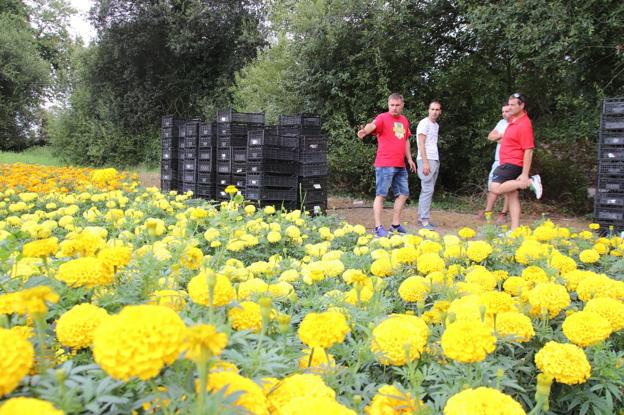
<point>79,24</point>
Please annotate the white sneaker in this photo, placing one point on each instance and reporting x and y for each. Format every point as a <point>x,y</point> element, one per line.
<point>536,186</point>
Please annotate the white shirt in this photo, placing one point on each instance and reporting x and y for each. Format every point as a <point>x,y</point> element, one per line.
<point>430,130</point>
<point>500,128</point>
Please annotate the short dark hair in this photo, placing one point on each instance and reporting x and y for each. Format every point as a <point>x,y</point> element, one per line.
<point>434,101</point>
<point>396,95</point>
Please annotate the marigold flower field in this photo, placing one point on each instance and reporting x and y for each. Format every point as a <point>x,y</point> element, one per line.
<point>119,299</point>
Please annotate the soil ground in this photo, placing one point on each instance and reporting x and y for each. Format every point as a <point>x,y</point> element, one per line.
<point>361,212</point>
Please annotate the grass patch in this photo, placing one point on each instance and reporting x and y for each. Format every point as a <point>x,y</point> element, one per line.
<point>33,155</point>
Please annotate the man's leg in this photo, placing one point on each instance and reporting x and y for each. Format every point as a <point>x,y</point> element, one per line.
<point>508,186</point>
<point>514,208</point>
<point>383,180</point>
<point>427,184</point>
<point>399,204</point>
<point>377,209</point>
<point>491,201</point>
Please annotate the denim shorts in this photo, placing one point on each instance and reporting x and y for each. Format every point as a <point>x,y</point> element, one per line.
<point>391,176</point>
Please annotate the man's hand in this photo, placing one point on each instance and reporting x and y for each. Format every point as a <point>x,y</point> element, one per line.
<point>426,168</point>
<point>524,181</point>
<point>362,133</point>
<point>412,165</point>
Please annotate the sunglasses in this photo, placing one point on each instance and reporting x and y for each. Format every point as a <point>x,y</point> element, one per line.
<point>520,97</point>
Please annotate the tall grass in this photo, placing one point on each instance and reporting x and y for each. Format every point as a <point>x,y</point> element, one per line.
<point>33,155</point>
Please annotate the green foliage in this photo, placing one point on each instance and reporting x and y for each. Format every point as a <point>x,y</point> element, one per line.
<point>33,155</point>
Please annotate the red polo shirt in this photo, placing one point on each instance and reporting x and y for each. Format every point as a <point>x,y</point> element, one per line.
<point>518,137</point>
<point>391,134</point>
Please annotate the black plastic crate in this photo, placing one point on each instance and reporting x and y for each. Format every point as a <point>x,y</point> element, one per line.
<point>234,129</point>
<point>272,153</point>
<point>240,181</point>
<point>169,164</point>
<point>611,168</point>
<point>189,176</point>
<point>169,154</point>
<point>610,200</point>
<point>612,139</point>
<point>314,208</point>
<point>313,157</point>
<point>188,187</point>
<point>167,121</point>
<point>192,128</point>
<point>168,185</point>
<point>613,122</point>
<point>270,137</point>
<point>206,154</point>
<point>167,143</point>
<point>206,142</point>
<point>615,214</point>
<point>205,166</point>
<point>239,168</point>
<point>223,180</point>
<point>308,120</point>
<point>268,166</point>
<point>313,183</point>
<point>180,165</point>
<point>206,179</point>
<point>232,141</point>
<point>265,193</point>
<point>312,169</point>
<point>170,132</point>
<point>191,142</point>
<point>190,165</point>
<point>189,154</point>
<point>181,144</point>
<point>312,196</point>
<point>611,184</point>
<point>313,143</point>
<point>168,174</point>
<point>239,154</point>
<point>224,167</point>
<point>182,130</point>
<point>271,180</point>
<point>611,153</point>
<point>207,129</point>
<point>613,106</point>
<point>205,191</point>
<point>224,154</point>
<point>229,116</point>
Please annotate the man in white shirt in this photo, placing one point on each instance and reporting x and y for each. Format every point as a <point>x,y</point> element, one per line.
<point>496,135</point>
<point>428,161</point>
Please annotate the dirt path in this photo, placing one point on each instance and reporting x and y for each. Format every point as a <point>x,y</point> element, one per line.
<point>361,212</point>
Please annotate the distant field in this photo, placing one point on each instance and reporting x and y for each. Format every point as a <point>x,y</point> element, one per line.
<point>34,155</point>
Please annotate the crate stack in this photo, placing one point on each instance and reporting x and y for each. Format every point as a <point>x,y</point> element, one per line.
<point>609,202</point>
<point>312,183</point>
<point>231,152</point>
<point>206,160</point>
<point>189,156</point>
<point>272,167</point>
<point>169,142</point>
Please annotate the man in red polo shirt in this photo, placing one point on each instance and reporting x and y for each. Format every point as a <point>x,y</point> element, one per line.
<point>516,155</point>
<point>393,133</point>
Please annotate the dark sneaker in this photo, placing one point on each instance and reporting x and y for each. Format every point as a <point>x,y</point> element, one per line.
<point>381,232</point>
<point>398,229</point>
<point>536,186</point>
<point>427,224</point>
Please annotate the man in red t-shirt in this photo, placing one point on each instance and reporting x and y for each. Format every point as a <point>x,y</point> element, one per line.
<point>516,155</point>
<point>393,133</point>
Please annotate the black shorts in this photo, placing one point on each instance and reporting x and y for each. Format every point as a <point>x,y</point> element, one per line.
<point>506,172</point>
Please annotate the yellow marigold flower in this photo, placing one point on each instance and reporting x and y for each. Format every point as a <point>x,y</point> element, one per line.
<point>545,233</point>
<point>359,295</point>
<point>381,267</point>
<point>315,406</point>
<point>28,301</point>
<point>566,363</point>
<point>496,302</point>
<point>434,316</point>
<point>274,237</point>
<point>479,275</point>
<point>211,234</point>
<point>173,299</point>
<point>25,332</point>
<point>601,248</point>
<point>406,255</point>
<point>281,290</point>
<point>589,256</point>
<point>478,251</point>
<point>586,328</point>
<point>535,274</point>
<point>594,226</point>
<point>468,307</point>
<point>251,287</point>
<point>41,248</point>
<point>16,359</point>
<point>85,272</point>
<point>482,401</point>
<point>516,285</point>
<point>468,341</point>
<point>529,251</point>
<point>467,233</point>
<point>191,258</point>
<point>318,361</point>
<point>250,210</point>
<point>231,190</point>
<point>22,405</point>
<point>289,275</point>
<point>609,308</point>
<point>562,263</point>
<point>75,327</point>
<point>246,316</point>
<point>430,262</point>
<point>139,341</point>
<point>414,288</point>
<point>549,297</point>
<point>117,256</point>
<point>399,339</point>
<point>453,252</point>
<point>597,285</point>
<point>223,292</point>
<point>295,386</point>
<point>250,395</point>
<point>323,329</point>
<point>203,341</point>
<point>390,400</point>
<point>333,267</point>
<point>515,325</point>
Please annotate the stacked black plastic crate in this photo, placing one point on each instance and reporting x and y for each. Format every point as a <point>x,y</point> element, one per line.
<point>609,202</point>
<point>272,167</point>
<point>169,141</point>
<point>206,160</point>
<point>189,156</point>
<point>231,153</point>
<point>312,183</point>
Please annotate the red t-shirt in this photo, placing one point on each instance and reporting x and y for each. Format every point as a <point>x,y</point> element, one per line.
<point>517,138</point>
<point>391,134</point>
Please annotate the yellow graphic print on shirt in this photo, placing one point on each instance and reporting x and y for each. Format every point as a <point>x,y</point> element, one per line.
<point>399,130</point>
